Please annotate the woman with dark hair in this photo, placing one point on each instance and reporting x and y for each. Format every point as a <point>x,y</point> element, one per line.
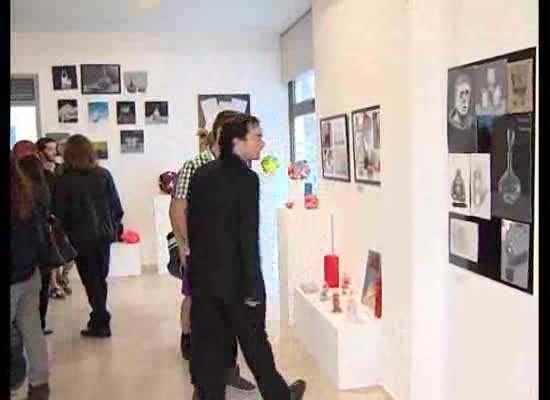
<point>86,203</point>
<point>27,250</point>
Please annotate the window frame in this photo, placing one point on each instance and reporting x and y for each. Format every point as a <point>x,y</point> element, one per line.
<point>295,110</point>
<point>35,102</point>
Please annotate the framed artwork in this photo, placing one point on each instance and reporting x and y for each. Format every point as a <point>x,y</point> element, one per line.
<point>101,150</point>
<point>126,112</point>
<point>100,78</point>
<point>371,295</point>
<point>64,77</point>
<point>335,148</point>
<point>366,145</point>
<point>98,112</point>
<point>132,141</point>
<point>135,82</point>
<point>212,104</point>
<point>156,112</point>
<point>67,111</point>
<point>491,138</point>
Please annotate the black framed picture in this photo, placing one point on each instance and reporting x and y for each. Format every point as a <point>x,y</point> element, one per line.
<point>366,144</point>
<point>132,141</point>
<point>335,148</point>
<point>156,112</point>
<point>64,77</point>
<point>100,78</point>
<point>126,112</point>
<point>67,111</point>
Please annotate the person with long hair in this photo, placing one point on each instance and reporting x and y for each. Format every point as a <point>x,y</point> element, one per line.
<point>27,250</point>
<point>86,202</point>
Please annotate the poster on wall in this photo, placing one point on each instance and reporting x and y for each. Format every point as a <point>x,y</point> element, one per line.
<point>459,183</point>
<point>156,112</point>
<point>100,78</point>
<point>335,148</point>
<point>520,84</point>
<point>126,112</point>
<point>135,82</point>
<point>101,150</point>
<point>212,104</point>
<point>480,180</point>
<point>464,239</point>
<point>67,111</point>
<point>132,141</point>
<point>64,77</point>
<point>491,88</point>
<point>366,145</point>
<point>98,112</point>
<point>461,121</point>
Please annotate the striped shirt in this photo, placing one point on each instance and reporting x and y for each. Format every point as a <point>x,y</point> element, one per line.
<point>188,170</point>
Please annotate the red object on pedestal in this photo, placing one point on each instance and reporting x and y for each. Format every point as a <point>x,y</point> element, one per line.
<point>378,304</point>
<point>332,277</point>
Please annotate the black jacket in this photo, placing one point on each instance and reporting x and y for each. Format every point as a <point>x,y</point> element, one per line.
<point>223,224</point>
<point>87,205</point>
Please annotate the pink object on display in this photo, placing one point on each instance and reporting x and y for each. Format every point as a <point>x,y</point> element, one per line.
<point>130,237</point>
<point>289,205</point>
<point>311,202</point>
<point>331,262</point>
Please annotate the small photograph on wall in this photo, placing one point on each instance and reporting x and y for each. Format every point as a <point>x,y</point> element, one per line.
<point>135,82</point>
<point>480,191</point>
<point>512,174</point>
<point>366,145</point>
<point>132,141</point>
<point>98,112</point>
<point>126,112</point>
<point>520,86</point>
<point>335,148</point>
<point>101,150</point>
<point>64,77</point>
<point>210,105</point>
<point>371,295</point>
<point>515,253</point>
<point>461,118</point>
<point>464,239</point>
<point>459,183</point>
<point>491,85</point>
<point>67,111</point>
<point>156,112</point>
<point>100,78</point>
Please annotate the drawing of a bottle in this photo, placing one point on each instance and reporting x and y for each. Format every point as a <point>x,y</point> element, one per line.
<point>509,185</point>
<point>458,192</point>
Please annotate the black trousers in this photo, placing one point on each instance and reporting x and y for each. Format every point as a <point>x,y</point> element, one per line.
<point>213,322</point>
<point>92,264</point>
<point>44,297</point>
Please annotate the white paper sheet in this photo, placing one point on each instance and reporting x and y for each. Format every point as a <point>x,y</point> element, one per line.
<point>464,239</point>
<point>239,105</point>
<point>210,109</point>
<point>459,183</point>
<point>480,173</point>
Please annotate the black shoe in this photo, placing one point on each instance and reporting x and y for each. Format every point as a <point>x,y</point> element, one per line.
<point>96,332</point>
<point>40,392</point>
<point>185,346</point>
<point>235,380</point>
<point>47,332</point>
<point>297,390</point>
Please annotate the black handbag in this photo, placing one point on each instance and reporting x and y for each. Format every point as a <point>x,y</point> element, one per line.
<point>175,266</point>
<point>57,249</point>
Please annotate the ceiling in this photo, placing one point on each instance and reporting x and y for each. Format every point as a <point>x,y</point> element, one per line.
<point>155,15</point>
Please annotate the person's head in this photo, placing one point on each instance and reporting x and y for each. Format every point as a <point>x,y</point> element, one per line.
<point>32,168</point>
<point>241,136</point>
<point>79,153</point>
<point>24,148</point>
<point>47,149</point>
<point>20,192</point>
<point>463,92</point>
<point>212,138</point>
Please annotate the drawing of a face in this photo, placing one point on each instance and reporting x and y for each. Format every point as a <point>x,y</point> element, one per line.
<point>463,91</point>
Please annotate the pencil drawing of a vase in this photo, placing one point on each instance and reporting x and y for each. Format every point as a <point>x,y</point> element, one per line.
<point>509,185</point>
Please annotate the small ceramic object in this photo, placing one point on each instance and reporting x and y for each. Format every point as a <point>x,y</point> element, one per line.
<point>324,292</point>
<point>351,306</point>
<point>346,281</point>
<point>289,205</point>
<point>311,202</point>
<point>336,307</point>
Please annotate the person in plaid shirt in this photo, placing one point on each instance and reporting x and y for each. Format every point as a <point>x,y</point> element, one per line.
<point>178,219</point>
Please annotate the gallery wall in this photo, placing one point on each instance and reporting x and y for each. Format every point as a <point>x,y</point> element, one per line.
<point>448,333</point>
<point>179,68</point>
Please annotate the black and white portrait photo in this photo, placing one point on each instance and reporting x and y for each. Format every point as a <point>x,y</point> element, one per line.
<point>520,86</point>
<point>156,112</point>
<point>461,121</point>
<point>464,239</point>
<point>480,182</point>
<point>126,112</point>
<point>135,82</point>
<point>459,183</point>
<point>491,88</point>
<point>132,141</point>
<point>67,111</point>
<point>511,167</point>
<point>64,77</point>
<point>515,252</point>
<point>335,148</point>
<point>100,78</point>
<point>366,145</point>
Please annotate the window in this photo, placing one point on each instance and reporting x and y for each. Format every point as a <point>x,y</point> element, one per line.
<point>24,111</point>
<point>303,122</point>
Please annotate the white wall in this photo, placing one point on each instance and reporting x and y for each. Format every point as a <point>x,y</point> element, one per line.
<point>448,334</point>
<point>180,67</point>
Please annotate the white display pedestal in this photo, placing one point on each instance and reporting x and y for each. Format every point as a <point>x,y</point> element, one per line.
<point>162,228</point>
<point>125,260</point>
<point>304,239</point>
<point>346,351</point>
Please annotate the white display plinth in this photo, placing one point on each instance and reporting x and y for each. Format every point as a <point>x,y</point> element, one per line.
<point>125,260</point>
<point>162,228</point>
<point>304,239</point>
<point>348,352</point>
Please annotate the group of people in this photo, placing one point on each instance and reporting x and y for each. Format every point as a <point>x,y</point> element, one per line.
<point>215,218</point>
<point>79,199</point>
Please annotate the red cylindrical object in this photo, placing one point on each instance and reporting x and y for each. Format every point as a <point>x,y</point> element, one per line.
<point>332,277</point>
<point>378,296</point>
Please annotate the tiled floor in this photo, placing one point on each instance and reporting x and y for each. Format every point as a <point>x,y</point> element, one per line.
<point>141,360</point>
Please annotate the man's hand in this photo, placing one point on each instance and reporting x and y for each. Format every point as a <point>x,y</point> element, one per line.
<point>184,251</point>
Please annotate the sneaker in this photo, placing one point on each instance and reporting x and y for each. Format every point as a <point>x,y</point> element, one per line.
<point>235,380</point>
<point>297,390</point>
<point>96,332</point>
<point>40,392</point>
<point>185,346</point>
